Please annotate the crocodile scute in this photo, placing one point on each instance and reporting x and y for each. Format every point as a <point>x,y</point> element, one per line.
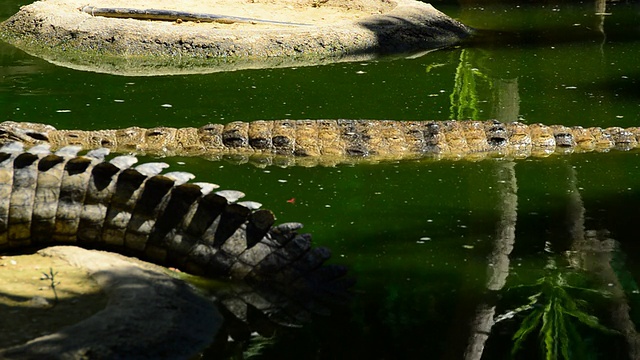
<point>329,142</point>
<point>53,198</point>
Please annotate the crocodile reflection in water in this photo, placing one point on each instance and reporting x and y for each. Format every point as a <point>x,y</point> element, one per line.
<point>329,142</point>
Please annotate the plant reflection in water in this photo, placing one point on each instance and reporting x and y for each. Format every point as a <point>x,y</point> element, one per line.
<point>555,310</point>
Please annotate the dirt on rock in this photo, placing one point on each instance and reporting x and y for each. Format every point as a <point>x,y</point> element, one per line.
<point>27,301</point>
<point>311,12</point>
<point>109,306</point>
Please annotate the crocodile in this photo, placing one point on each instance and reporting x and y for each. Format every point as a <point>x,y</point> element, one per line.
<point>330,142</point>
<point>54,198</point>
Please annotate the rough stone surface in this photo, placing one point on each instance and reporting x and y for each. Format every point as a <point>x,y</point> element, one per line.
<point>149,315</point>
<point>338,30</point>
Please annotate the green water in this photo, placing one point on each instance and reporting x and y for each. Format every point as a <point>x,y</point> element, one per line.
<point>417,236</point>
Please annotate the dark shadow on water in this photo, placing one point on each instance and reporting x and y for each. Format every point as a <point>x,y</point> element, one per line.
<point>537,38</point>
<point>624,86</point>
<point>430,314</point>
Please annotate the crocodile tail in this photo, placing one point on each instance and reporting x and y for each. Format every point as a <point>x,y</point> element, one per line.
<point>63,198</point>
<point>329,142</point>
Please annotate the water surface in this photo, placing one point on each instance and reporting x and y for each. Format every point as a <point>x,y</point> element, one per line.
<point>422,238</point>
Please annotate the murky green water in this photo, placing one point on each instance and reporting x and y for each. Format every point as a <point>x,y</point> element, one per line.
<point>422,238</point>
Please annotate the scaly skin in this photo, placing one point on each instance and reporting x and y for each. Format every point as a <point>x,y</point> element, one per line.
<point>62,198</point>
<point>329,142</point>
